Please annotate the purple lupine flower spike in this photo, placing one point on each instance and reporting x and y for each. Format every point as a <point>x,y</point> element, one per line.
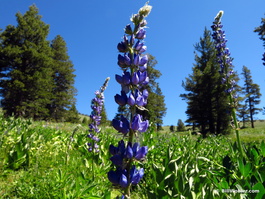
<point>95,117</point>
<point>133,96</point>
<point>223,54</point>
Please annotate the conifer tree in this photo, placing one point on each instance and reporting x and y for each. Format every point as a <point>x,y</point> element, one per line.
<point>206,99</point>
<point>25,59</point>
<point>181,126</point>
<point>252,94</point>
<point>73,115</point>
<point>261,32</point>
<point>63,77</point>
<point>243,113</point>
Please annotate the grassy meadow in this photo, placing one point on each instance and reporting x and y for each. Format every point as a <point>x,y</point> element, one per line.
<point>51,160</point>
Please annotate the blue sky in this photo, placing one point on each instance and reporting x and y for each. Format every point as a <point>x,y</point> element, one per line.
<point>92,29</point>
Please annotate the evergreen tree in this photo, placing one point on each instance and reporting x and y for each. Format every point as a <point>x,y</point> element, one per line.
<point>172,128</point>
<point>243,113</point>
<point>122,111</point>
<point>261,32</point>
<point>181,126</point>
<point>206,99</point>
<point>104,120</point>
<point>25,61</point>
<point>64,91</point>
<point>252,93</point>
<point>73,115</point>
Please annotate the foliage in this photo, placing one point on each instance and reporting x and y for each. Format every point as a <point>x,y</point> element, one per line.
<point>63,77</point>
<point>181,126</point>
<point>36,76</point>
<point>252,94</point>
<point>172,128</point>
<point>55,163</point>
<point>206,99</point>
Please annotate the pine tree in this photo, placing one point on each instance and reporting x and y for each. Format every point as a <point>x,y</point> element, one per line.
<point>104,120</point>
<point>252,93</point>
<point>64,91</point>
<point>73,115</point>
<point>243,113</point>
<point>261,32</point>
<point>206,99</point>
<point>172,128</point>
<point>181,126</point>
<point>25,59</point>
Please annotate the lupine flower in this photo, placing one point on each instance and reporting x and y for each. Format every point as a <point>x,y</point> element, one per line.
<point>138,124</point>
<point>132,95</point>
<point>225,61</point>
<point>136,175</point>
<point>121,99</point>
<point>140,34</point>
<point>223,53</point>
<point>129,152</point>
<point>122,125</point>
<point>95,117</point>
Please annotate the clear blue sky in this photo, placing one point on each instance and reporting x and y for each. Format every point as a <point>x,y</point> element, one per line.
<point>92,29</point>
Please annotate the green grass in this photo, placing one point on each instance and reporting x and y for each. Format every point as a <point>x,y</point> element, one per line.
<point>50,160</point>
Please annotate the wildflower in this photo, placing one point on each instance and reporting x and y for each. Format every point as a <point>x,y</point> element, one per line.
<point>225,61</point>
<point>132,81</point>
<point>95,117</point>
<point>223,54</point>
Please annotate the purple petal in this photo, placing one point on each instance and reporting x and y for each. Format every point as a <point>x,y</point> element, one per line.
<point>131,100</point>
<point>136,123</point>
<point>140,101</point>
<point>117,160</point>
<point>135,78</point>
<point>136,60</point>
<point>113,177</point>
<point>135,148</point>
<point>118,79</point>
<point>144,126</point>
<point>140,34</point>
<point>113,150</point>
<point>143,60</point>
<point>141,153</point>
<point>126,78</point>
<point>129,152</point>
<point>123,181</point>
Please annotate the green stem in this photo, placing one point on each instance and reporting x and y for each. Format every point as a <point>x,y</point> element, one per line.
<point>236,125</point>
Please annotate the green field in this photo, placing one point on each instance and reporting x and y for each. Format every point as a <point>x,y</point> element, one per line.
<point>50,160</point>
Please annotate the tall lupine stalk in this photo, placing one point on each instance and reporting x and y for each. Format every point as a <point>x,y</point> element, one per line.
<point>95,118</point>
<point>133,94</point>
<point>225,61</point>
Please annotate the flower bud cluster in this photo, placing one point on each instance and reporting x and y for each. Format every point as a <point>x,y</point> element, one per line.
<point>133,95</point>
<point>95,118</point>
<point>223,54</point>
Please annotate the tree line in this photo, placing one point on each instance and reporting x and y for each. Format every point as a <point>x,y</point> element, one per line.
<point>37,80</point>
<point>36,75</point>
